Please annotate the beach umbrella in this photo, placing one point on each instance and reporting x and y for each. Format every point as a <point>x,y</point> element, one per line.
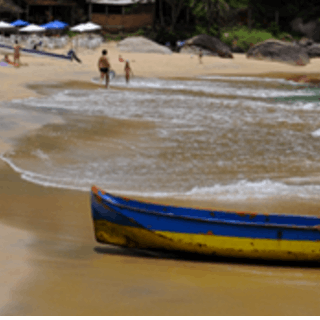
<point>32,28</point>
<point>5,25</point>
<point>89,26</point>
<point>57,25</point>
<point>86,27</point>
<point>51,26</point>
<point>64,24</point>
<point>20,23</point>
<point>77,28</point>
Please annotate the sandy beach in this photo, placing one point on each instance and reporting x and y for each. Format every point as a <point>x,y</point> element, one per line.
<point>49,261</point>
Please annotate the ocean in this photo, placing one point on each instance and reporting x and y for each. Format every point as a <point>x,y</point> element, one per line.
<point>222,138</point>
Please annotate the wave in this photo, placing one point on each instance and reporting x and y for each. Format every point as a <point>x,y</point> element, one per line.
<point>239,190</point>
<point>254,79</point>
<point>316,133</point>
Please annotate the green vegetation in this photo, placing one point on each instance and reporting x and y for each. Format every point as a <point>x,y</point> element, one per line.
<point>71,33</point>
<point>245,36</point>
<point>248,21</point>
<point>238,3</point>
<point>177,20</point>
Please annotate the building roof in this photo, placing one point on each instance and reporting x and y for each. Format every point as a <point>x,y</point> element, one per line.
<point>9,6</point>
<point>119,2</point>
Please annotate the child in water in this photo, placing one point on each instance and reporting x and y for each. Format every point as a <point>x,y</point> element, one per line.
<point>128,71</point>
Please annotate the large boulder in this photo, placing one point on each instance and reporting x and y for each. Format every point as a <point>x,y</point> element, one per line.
<point>196,49</point>
<point>208,43</point>
<point>314,50</point>
<point>280,51</point>
<point>141,44</point>
<point>305,42</point>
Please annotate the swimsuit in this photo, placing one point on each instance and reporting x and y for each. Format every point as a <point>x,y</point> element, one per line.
<point>104,70</point>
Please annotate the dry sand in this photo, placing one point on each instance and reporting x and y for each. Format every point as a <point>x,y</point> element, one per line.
<point>49,261</point>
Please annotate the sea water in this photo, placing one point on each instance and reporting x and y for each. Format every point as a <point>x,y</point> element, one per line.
<point>215,137</point>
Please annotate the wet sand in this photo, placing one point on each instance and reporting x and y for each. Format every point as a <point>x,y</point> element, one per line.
<point>51,265</point>
<point>58,269</point>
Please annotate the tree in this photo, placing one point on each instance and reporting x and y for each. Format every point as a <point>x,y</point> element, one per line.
<point>176,6</point>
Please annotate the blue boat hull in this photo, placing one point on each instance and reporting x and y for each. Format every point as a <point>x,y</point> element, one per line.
<point>131,223</point>
<point>39,53</point>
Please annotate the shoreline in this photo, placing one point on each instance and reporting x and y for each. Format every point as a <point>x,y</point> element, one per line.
<point>175,65</point>
<point>66,73</point>
<point>47,248</point>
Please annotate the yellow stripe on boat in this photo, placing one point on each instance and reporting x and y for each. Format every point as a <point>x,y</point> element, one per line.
<point>133,237</point>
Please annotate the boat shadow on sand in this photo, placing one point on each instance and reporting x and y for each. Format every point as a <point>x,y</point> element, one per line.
<point>198,258</point>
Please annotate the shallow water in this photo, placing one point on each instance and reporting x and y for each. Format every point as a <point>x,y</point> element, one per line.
<point>227,138</point>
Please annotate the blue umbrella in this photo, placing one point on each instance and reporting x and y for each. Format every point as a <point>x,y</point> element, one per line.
<point>64,24</point>
<point>20,23</point>
<point>54,25</point>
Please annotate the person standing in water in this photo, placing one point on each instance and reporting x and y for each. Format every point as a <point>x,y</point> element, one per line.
<point>128,71</point>
<point>104,66</point>
<point>16,55</point>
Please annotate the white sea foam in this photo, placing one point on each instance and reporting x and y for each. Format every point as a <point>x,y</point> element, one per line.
<point>40,154</point>
<point>239,190</point>
<point>197,136</point>
<point>316,133</point>
<point>250,79</point>
<point>260,189</point>
<point>215,88</point>
<point>43,180</point>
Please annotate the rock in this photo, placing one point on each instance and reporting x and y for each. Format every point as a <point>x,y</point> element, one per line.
<point>314,50</point>
<point>212,44</point>
<point>141,44</point>
<point>195,51</point>
<point>305,42</point>
<point>275,50</point>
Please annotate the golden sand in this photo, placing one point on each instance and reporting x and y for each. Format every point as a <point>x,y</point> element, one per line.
<point>50,263</point>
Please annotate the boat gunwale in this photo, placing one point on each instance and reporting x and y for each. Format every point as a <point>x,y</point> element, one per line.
<point>37,52</point>
<point>207,220</point>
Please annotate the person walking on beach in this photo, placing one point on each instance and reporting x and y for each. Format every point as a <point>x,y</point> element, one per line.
<point>104,67</point>
<point>16,55</point>
<point>200,56</point>
<point>128,71</point>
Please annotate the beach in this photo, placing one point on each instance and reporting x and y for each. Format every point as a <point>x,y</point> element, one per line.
<point>50,261</point>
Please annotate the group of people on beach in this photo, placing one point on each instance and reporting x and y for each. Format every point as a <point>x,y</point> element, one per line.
<point>104,67</point>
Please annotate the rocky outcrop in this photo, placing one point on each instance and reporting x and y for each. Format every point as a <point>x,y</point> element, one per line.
<point>312,48</point>
<point>208,44</point>
<point>142,45</point>
<point>305,42</point>
<point>280,51</point>
<point>196,49</point>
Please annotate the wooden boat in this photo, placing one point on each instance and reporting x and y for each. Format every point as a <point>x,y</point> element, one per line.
<point>9,49</point>
<point>136,224</point>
